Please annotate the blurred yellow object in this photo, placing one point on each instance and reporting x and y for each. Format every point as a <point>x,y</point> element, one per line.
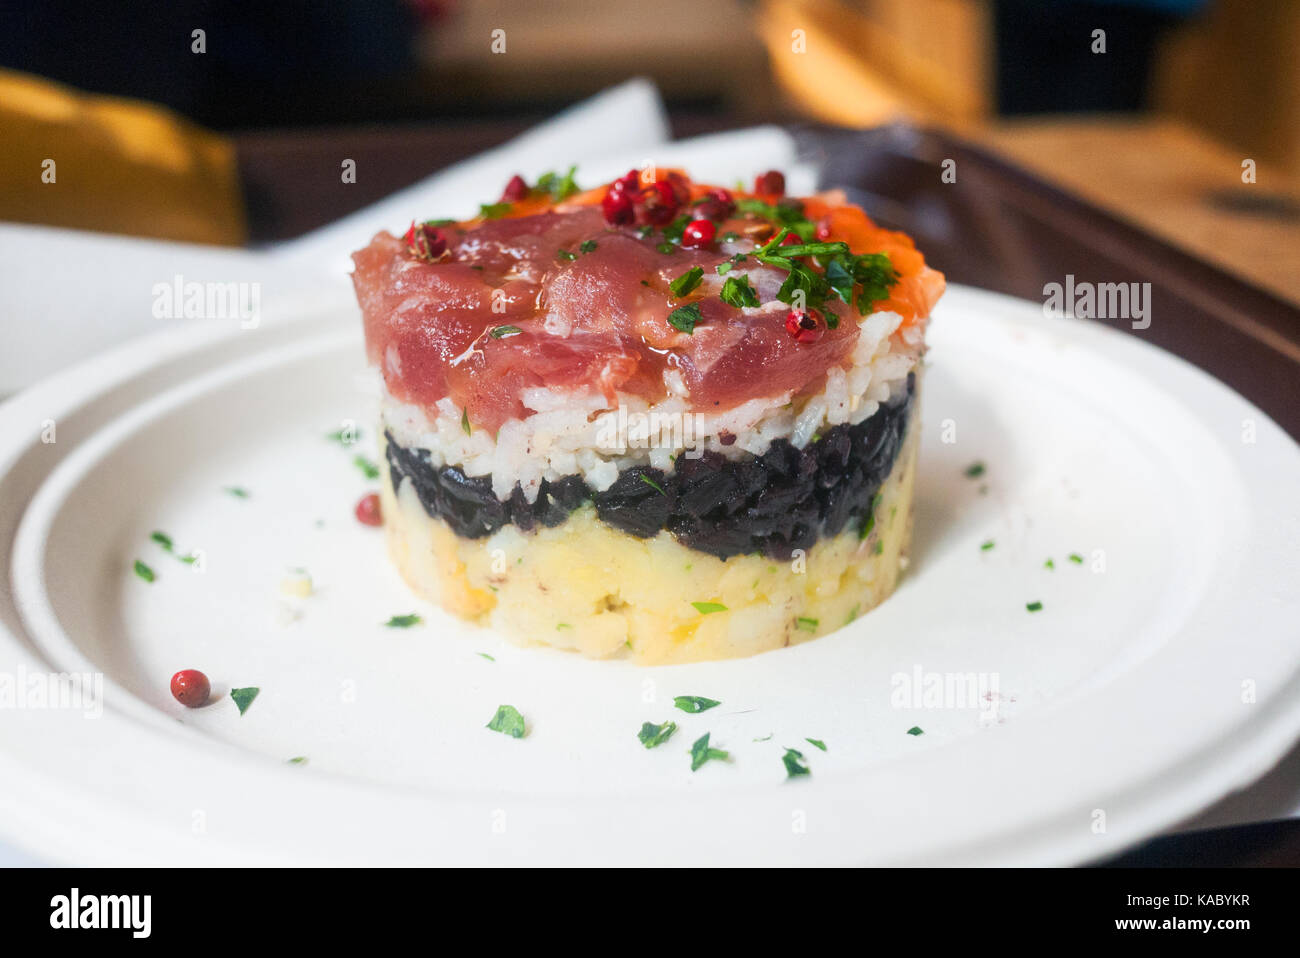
<point>113,165</point>
<point>869,63</point>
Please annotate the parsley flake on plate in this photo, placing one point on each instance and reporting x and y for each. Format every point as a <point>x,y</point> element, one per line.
<point>1034,606</point>
<point>368,468</point>
<point>794,763</point>
<point>701,752</point>
<point>239,492</point>
<point>915,730</point>
<point>507,721</point>
<point>344,437</point>
<point>404,621</point>
<point>694,704</point>
<point>504,332</point>
<point>975,470</point>
<point>652,735</point>
<point>243,698</point>
<point>144,572</point>
<point>817,743</point>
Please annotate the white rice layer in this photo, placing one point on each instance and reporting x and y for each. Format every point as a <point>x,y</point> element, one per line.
<point>571,433</point>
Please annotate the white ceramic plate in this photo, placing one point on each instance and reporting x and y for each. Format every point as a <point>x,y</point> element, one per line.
<point>1160,674</point>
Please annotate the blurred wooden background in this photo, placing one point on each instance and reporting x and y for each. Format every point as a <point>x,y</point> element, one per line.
<point>1156,129</point>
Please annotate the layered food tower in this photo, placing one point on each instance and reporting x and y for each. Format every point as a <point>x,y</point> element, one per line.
<point>658,419</point>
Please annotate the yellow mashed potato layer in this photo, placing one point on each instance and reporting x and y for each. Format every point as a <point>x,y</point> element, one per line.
<point>588,587</point>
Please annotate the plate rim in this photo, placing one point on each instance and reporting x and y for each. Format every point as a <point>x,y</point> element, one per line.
<point>1272,736</point>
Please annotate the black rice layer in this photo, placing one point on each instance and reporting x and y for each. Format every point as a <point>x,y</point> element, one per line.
<point>783,500</point>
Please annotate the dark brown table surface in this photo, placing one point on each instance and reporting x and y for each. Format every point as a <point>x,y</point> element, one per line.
<point>1002,230</point>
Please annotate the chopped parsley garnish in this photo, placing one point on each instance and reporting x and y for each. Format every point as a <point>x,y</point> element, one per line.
<point>694,704</point>
<point>685,318</point>
<point>701,752</point>
<point>560,187</point>
<point>507,721</point>
<point>975,470</point>
<point>704,608</point>
<point>1076,558</point>
<point>737,292</point>
<point>297,760</point>
<point>1034,606</point>
<point>652,735</point>
<point>464,421</point>
<point>766,738</point>
<point>687,282</point>
<point>494,211</point>
<point>561,626</point>
<point>807,624</point>
<point>853,614</point>
<point>871,274</point>
<point>484,655</point>
<point>344,437</point>
<point>243,698</point>
<point>653,485</point>
<point>368,468</point>
<point>916,730</point>
<point>587,246</point>
<point>144,572</point>
<point>665,247</point>
<point>565,255</point>
<point>164,540</point>
<point>788,215</point>
<point>794,764</point>
<point>817,743</point>
<point>1049,564</point>
<point>403,621</point>
<point>503,332</point>
<point>674,230</point>
<point>237,491</point>
<point>986,546</point>
<point>870,522</point>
